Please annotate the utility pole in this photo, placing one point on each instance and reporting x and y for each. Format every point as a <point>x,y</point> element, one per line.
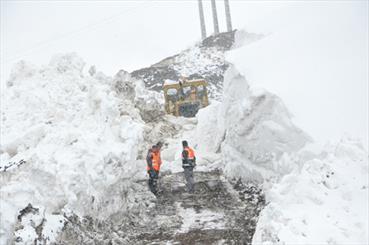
<point>202,20</point>
<point>215,17</point>
<point>228,15</point>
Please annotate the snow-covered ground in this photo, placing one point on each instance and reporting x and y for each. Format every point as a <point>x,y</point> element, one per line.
<point>199,60</point>
<point>323,202</point>
<point>193,219</point>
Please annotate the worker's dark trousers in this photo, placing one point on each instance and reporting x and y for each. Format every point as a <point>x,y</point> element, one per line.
<point>190,183</point>
<point>153,182</point>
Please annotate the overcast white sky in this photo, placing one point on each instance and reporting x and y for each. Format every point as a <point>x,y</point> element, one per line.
<point>115,34</point>
<point>110,34</point>
<point>128,35</point>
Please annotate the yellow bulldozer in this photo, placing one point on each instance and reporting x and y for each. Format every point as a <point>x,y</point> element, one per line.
<point>185,97</point>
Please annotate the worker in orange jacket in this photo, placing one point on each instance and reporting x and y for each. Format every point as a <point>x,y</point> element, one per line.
<point>153,160</point>
<point>188,164</point>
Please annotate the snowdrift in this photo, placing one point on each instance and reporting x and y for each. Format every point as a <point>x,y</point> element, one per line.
<point>326,202</point>
<point>314,195</point>
<point>78,139</point>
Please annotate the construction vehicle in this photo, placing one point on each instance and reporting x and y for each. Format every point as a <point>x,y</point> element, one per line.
<point>185,97</point>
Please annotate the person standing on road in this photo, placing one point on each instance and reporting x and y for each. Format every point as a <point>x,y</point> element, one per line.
<point>153,160</point>
<point>188,164</point>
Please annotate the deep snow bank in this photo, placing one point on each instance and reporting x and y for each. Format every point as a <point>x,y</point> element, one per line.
<point>314,196</point>
<point>323,199</point>
<point>326,202</point>
<point>253,131</point>
<point>78,139</point>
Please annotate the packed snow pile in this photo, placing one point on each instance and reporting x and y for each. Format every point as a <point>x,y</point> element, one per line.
<point>326,202</point>
<point>75,136</point>
<point>258,131</point>
<point>252,130</point>
<point>148,103</point>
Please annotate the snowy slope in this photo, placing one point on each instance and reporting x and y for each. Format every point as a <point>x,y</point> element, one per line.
<point>204,60</point>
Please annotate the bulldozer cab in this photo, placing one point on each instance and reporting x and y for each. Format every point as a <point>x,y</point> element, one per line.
<point>185,97</point>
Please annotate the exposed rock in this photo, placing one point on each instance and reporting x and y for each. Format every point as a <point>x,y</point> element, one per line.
<point>35,226</point>
<point>205,60</point>
<point>27,210</point>
<point>11,165</point>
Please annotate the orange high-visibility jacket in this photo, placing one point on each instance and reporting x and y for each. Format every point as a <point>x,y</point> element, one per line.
<point>188,157</point>
<point>155,160</point>
<point>190,153</point>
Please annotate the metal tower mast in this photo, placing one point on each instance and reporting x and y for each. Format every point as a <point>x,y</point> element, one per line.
<point>228,15</point>
<point>215,17</point>
<point>202,20</point>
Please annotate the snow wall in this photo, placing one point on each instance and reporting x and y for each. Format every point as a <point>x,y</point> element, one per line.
<point>314,194</point>
<point>75,138</point>
<point>252,130</point>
